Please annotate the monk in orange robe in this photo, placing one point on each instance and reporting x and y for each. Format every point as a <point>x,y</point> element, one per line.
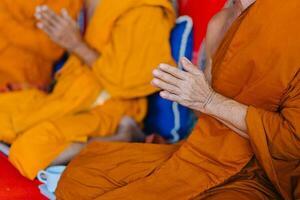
<point>106,79</point>
<point>246,144</point>
<point>27,54</point>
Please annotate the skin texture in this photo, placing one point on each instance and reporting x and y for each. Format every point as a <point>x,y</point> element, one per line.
<point>216,30</point>
<point>64,31</point>
<point>214,161</point>
<point>193,87</point>
<point>190,88</point>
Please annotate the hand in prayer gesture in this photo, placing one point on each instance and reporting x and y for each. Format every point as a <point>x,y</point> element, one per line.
<point>62,29</point>
<point>190,88</point>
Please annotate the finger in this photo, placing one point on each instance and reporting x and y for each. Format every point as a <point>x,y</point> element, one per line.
<point>65,15</point>
<point>190,67</point>
<point>50,16</point>
<point>166,77</point>
<point>165,86</point>
<point>55,16</point>
<point>47,29</point>
<point>39,9</point>
<point>171,97</point>
<point>173,71</point>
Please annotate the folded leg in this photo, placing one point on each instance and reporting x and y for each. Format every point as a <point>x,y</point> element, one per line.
<point>42,144</point>
<point>75,92</point>
<point>102,167</point>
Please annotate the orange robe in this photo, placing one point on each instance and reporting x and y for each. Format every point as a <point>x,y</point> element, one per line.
<point>27,54</point>
<point>257,64</point>
<point>132,37</point>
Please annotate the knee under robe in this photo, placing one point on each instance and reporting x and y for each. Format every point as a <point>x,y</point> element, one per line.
<point>257,64</point>
<point>132,38</point>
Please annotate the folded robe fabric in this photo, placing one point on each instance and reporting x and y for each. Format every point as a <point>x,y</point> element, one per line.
<point>124,68</point>
<point>257,64</point>
<point>26,53</point>
<point>132,37</point>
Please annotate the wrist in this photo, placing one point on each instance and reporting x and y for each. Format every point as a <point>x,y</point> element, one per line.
<point>211,104</point>
<point>77,48</point>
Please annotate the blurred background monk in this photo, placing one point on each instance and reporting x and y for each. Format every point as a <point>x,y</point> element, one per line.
<point>246,144</point>
<point>106,78</point>
<point>27,54</point>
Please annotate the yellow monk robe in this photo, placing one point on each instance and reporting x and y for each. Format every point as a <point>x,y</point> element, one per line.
<point>132,37</point>
<point>257,64</point>
<point>27,54</point>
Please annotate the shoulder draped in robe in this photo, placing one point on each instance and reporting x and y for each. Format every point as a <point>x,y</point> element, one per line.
<point>257,64</point>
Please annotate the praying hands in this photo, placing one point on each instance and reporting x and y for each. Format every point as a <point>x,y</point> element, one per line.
<point>65,32</point>
<point>190,88</point>
<point>62,29</point>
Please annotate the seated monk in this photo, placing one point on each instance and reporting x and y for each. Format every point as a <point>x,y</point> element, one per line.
<point>106,79</point>
<point>246,144</point>
<point>27,54</point>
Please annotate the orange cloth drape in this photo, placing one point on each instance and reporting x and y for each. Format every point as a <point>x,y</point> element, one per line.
<point>257,64</point>
<point>132,37</point>
<point>26,53</point>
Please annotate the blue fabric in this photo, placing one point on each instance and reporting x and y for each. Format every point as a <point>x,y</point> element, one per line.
<point>177,40</point>
<point>170,120</point>
<point>60,63</point>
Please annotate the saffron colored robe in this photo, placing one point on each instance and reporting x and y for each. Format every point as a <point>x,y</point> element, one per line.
<point>132,37</point>
<point>257,64</point>
<point>27,54</point>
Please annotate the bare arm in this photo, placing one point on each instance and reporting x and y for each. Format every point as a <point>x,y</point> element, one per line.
<point>87,54</point>
<point>229,112</point>
<point>190,88</point>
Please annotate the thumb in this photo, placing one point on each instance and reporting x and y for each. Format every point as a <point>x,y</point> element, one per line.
<point>190,67</point>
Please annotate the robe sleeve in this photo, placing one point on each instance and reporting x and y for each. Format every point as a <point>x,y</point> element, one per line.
<point>139,42</point>
<point>277,132</point>
<point>26,35</point>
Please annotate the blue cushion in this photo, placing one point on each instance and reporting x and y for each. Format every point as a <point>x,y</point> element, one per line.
<point>170,120</point>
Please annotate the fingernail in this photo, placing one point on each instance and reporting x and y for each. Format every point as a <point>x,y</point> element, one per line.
<point>163,66</point>
<point>38,9</point>
<point>38,16</point>
<point>155,72</point>
<point>155,81</point>
<point>185,60</point>
<point>39,25</point>
<point>162,94</point>
<point>64,12</point>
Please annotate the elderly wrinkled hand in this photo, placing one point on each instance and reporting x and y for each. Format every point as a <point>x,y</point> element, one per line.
<point>188,88</point>
<point>62,29</point>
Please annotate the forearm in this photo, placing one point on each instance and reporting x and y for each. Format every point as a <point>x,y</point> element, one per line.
<point>230,112</point>
<point>190,88</point>
<point>86,54</point>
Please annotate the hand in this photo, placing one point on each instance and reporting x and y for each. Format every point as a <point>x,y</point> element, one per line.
<point>188,88</point>
<point>62,29</point>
